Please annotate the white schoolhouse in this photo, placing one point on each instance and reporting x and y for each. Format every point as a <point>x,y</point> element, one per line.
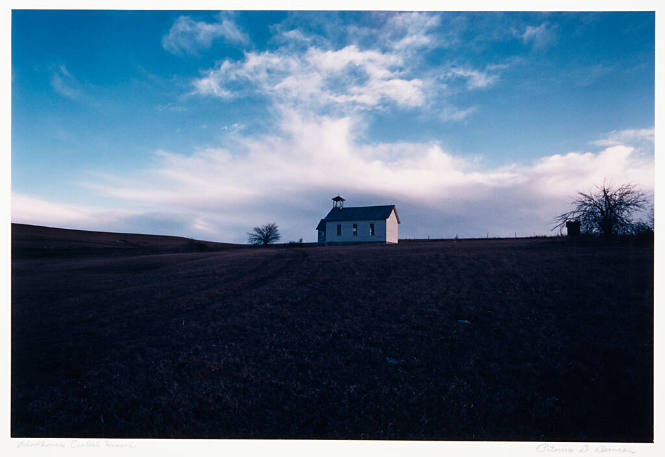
<point>360,224</point>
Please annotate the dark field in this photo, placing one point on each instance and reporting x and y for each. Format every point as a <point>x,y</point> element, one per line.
<point>534,339</point>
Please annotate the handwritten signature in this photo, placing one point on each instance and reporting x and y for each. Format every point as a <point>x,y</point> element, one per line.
<point>583,448</point>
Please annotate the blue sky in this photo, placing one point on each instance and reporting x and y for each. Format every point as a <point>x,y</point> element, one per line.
<point>204,124</point>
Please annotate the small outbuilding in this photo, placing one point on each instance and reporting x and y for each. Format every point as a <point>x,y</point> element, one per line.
<point>573,228</point>
<point>360,224</point>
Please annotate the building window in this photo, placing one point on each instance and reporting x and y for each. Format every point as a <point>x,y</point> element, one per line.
<point>339,229</point>
<point>371,229</point>
<point>355,229</point>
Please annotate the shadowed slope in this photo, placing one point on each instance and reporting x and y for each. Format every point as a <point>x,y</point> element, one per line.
<point>38,241</point>
<point>485,340</point>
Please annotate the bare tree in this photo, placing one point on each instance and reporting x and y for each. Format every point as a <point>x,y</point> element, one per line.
<point>264,235</point>
<point>606,210</point>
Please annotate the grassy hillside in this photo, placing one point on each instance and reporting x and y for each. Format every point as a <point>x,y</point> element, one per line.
<point>37,241</point>
<point>444,340</point>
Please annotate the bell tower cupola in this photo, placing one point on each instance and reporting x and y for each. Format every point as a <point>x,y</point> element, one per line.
<point>338,202</point>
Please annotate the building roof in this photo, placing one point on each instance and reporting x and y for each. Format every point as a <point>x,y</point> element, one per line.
<point>359,213</point>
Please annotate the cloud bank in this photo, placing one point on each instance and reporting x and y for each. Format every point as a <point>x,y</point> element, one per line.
<point>290,176</point>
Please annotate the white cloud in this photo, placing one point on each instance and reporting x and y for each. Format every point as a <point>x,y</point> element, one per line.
<point>411,30</point>
<point>317,77</point>
<point>451,113</point>
<point>234,128</point>
<point>293,36</point>
<point>65,84</point>
<point>560,174</point>
<point>586,76</point>
<point>540,36</point>
<point>628,136</point>
<point>188,36</point>
<point>475,79</point>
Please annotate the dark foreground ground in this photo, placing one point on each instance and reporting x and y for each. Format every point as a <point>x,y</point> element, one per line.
<point>443,340</point>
